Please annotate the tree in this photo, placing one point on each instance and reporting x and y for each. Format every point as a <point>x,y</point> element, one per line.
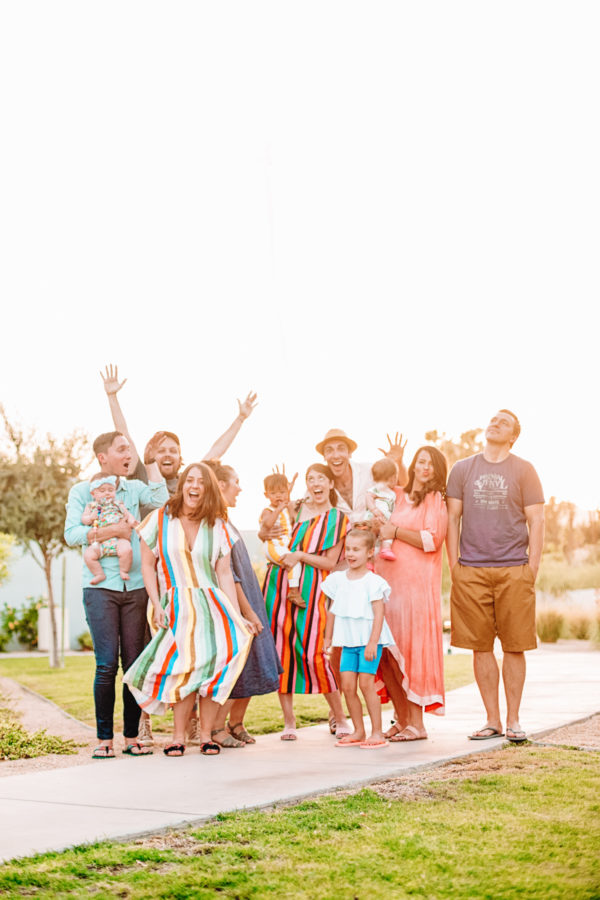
<point>6,542</point>
<point>35,479</point>
<point>469,442</point>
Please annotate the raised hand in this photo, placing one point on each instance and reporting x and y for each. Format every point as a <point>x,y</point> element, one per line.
<point>396,447</point>
<point>246,407</point>
<point>283,472</point>
<point>111,380</point>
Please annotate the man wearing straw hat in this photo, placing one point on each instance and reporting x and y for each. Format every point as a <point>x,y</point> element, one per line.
<point>353,479</point>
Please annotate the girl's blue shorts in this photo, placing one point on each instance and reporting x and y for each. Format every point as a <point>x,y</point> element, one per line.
<point>353,660</point>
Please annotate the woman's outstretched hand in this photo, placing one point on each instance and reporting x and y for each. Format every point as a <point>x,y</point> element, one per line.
<point>396,447</point>
<point>246,406</point>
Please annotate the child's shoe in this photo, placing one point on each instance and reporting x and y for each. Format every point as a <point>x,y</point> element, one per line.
<point>385,553</point>
<point>295,597</point>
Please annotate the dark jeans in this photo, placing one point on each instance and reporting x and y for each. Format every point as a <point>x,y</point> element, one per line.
<point>117,621</point>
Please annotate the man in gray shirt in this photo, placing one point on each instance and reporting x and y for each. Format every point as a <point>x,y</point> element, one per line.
<point>496,507</point>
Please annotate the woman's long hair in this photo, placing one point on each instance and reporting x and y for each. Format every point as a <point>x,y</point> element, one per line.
<point>326,471</point>
<point>211,507</point>
<point>440,474</point>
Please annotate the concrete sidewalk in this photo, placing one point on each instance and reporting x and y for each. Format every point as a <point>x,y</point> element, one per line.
<point>126,797</point>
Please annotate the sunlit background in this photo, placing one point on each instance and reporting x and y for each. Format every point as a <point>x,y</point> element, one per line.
<point>380,217</point>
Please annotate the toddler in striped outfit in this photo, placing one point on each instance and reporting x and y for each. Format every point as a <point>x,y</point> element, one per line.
<point>281,511</point>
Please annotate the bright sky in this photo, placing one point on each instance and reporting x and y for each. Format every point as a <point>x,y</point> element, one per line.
<point>379,216</point>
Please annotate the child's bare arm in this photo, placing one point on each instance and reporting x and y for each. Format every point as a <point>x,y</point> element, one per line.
<point>370,501</point>
<point>269,516</point>
<point>371,648</point>
<point>328,631</point>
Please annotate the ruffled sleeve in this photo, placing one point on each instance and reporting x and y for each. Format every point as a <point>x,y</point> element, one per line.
<point>148,530</point>
<point>330,585</point>
<point>224,538</point>
<point>435,524</point>
<point>379,589</point>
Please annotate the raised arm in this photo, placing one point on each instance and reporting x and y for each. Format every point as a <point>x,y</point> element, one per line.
<point>223,443</point>
<point>395,451</point>
<point>112,386</point>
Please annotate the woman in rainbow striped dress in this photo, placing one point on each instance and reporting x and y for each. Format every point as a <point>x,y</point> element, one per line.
<point>202,641</point>
<point>317,542</point>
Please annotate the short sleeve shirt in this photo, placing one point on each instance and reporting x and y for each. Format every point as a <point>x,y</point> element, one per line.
<point>494,496</point>
<point>362,480</point>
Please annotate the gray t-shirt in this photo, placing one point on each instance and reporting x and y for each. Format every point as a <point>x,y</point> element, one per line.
<point>494,495</point>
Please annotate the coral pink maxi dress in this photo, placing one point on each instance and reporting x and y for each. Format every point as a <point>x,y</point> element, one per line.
<point>414,611</point>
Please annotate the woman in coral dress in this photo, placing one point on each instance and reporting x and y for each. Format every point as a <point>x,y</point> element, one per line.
<point>414,677</point>
<point>202,641</point>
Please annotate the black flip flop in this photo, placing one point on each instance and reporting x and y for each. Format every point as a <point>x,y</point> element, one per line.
<point>174,750</point>
<point>209,748</point>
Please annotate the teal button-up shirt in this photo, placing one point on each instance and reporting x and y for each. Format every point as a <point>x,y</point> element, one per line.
<point>132,494</point>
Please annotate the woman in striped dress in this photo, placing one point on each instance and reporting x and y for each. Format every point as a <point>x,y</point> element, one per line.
<point>317,542</point>
<point>202,641</point>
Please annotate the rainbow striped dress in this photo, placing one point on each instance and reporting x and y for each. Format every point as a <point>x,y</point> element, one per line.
<point>299,632</point>
<point>205,645</point>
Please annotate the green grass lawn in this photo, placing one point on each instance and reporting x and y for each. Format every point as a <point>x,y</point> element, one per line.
<point>528,826</point>
<point>71,689</point>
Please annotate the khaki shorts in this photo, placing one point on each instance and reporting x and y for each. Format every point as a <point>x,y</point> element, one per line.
<point>489,602</point>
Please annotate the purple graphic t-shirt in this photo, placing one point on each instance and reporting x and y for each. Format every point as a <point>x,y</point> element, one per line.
<point>494,495</point>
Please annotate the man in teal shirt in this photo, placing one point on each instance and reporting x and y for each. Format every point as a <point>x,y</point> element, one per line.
<point>116,609</point>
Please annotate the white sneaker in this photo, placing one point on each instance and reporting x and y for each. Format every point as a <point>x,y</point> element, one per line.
<point>145,732</point>
<point>193,731</point>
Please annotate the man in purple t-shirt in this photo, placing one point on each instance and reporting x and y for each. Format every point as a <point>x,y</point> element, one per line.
<point>496,506</point>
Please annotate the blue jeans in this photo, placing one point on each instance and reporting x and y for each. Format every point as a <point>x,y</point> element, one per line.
<point>117,621</point>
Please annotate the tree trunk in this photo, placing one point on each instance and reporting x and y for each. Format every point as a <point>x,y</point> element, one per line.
<point>54,658</point>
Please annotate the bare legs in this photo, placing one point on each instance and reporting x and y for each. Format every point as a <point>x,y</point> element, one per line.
<point>487,676</point>
<point>350,682</point>
<point>407,713</point>
<point>289,719</point>
<point>181,714</point>
<point>337,710</point>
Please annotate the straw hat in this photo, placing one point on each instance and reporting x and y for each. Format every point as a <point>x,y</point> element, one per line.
<point>336,434</point>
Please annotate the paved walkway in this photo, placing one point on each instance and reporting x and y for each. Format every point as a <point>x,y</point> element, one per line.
<point>126,797</point>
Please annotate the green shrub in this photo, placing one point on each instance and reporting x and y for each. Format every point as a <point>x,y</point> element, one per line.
<point>17,743</point>
<point>21,623</point>
<point>85,641</point>
<point>550,624</point>
<point>579,625</point>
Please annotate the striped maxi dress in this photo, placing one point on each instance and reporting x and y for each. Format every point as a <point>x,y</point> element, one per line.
<point>206,643</point>
<point>299,633</point>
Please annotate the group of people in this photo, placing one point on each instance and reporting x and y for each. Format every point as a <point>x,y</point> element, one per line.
<point>351,597</point>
